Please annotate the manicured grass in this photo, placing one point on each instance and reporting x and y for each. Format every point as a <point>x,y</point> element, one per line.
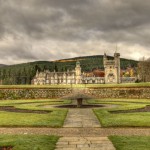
<point>120,85</point>
<point>34,102</point>
<point>29,142</point>
<point>136,119</point>
<point>123,120</point>
<point>55,118</point>
<point>45,86</point>
<point>119,101</point>
<point>131,142</point>
<point>78,85</point>
<point>35,86</point>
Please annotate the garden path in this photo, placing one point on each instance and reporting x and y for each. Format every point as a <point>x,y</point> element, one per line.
<point>83,118</point>
<point>78,132</point>
<point>81,131</point>
<point>84,143</point>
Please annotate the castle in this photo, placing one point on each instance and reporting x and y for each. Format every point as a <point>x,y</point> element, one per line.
<point>112,69</point>
<point>76,76</point>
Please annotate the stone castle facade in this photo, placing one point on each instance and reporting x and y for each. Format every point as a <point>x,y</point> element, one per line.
<point>69,77</point>
<point>112,69</point>
<point>76,76</point>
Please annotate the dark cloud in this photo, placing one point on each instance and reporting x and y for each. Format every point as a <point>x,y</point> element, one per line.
<point>17,51</point>
<point>55,29</point>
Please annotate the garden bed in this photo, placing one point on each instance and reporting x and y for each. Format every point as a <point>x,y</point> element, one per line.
<point>6,148</point>
<point>83,106</point>
<point>145,109</point>
<point>13,109</point>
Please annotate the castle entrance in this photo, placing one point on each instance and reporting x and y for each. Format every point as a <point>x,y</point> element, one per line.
<point>111,78</point>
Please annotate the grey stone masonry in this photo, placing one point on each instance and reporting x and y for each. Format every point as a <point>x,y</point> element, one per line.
<point>81,118</point>
<point>33,93</point>
<point>105,92</point>
<point>120,92</point>
<point>84,143</point>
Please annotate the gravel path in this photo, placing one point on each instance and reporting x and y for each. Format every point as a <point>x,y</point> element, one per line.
<point>78,131</point>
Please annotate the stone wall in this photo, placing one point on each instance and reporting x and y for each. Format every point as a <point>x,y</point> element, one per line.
<point>120,92</point>
<point>33,93</point>
<point>100,92</point>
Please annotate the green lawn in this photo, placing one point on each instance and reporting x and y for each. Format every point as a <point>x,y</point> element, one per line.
<point>29,142</point>
<point>35,86</point>
<point>136,119</point>
<point>131,142</point>
<point>55,118</point>
<point>78,85</point>
<point>142,84</point>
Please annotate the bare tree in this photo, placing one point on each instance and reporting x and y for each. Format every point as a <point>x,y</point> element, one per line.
<point>144,69</point>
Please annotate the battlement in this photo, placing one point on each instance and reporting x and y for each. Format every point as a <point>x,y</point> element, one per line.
<point>110,62</point>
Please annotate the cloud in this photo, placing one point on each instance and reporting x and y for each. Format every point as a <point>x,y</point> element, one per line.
<point>53,29</point>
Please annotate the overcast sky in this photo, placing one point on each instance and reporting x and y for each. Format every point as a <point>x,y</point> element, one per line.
<point>33,30</point>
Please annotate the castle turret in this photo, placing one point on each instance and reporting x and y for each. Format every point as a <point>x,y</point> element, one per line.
<point>104,59</point>
<point>55,75</point>
<point>78,72</point>
<point>117,65</point>
<point>117,59</point>
<point>37,73</point>
<point>105,65</point>
<point>47,79</point>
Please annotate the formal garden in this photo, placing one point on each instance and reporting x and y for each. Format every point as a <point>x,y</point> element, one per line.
<point>49,120</point>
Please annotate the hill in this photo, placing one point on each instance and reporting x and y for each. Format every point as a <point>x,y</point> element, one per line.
<point>2,65</point>
<point>23,73</point>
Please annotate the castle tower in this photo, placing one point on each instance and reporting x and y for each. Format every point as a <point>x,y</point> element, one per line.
<point>117,65</point>
<point>78,72</point>
<point>55,78</point>
<point>37,73</point>
<point>112,69</point>
<point>104,60</point>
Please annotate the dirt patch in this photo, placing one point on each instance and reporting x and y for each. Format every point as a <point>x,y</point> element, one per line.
<point>36,102</point>
<point>13,109</point>
<point>83,106</point>
<point>6,148</point>
<point>145,109</point>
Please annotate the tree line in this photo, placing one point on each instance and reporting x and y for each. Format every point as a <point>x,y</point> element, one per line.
<point>144,70</point>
